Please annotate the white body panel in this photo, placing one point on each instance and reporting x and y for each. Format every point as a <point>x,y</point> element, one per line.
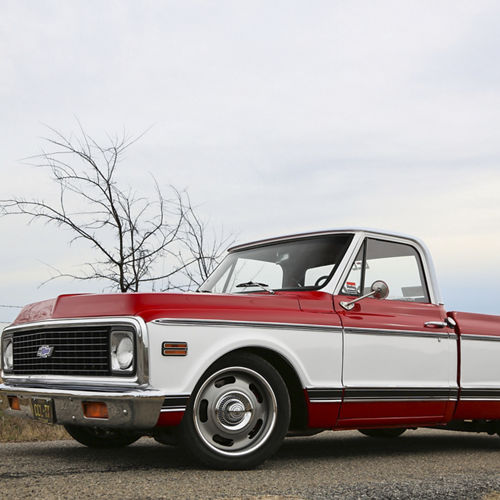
<point>316,355</point>
<point>480,363</point>
<point>378,360</point>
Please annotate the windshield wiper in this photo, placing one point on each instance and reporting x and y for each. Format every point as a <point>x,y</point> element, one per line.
<point>254,283</point>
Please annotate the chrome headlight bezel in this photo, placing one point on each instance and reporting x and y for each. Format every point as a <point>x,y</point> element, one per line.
<point>122,352</point>
<point>7,353</point>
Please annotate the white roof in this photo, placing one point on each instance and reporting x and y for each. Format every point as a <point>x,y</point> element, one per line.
<point>328,231</point>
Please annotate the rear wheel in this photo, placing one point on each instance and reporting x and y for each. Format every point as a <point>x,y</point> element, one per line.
<point>382,433</point>
<point>238,414</point>
<point>98,437</point>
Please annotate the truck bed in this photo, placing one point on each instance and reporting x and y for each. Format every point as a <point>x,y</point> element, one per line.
<point>479,365</point>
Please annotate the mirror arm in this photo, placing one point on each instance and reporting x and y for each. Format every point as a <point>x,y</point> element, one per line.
<point>349,305</point>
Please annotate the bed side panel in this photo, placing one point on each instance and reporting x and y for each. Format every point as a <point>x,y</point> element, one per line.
<point>480,366</point>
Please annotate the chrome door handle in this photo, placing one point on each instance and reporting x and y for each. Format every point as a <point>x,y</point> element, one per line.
<point>435,324</point>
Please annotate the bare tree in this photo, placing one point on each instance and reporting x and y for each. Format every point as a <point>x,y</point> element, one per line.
<point>200,252</point>
<point>130,234</point>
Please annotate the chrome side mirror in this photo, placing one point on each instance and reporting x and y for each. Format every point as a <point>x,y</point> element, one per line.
<point>379,290</point>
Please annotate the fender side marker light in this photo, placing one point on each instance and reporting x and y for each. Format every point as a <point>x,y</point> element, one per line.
<point>174,348</point>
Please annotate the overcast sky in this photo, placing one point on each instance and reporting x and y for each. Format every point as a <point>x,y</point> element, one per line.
<point>277,116</point>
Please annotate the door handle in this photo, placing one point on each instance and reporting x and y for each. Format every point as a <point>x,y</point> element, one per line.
<point>436,324</point>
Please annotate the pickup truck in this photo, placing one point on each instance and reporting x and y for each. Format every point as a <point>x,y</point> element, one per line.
<point>333,330</point>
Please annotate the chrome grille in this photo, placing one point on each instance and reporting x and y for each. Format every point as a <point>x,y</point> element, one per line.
<point>76,351</point>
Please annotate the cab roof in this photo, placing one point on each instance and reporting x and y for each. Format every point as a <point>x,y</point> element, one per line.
<point>370,231</point>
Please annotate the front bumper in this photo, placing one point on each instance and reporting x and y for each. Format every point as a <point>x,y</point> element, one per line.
<point>131,409</point>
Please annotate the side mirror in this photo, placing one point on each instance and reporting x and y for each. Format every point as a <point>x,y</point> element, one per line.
<point>379,290</point>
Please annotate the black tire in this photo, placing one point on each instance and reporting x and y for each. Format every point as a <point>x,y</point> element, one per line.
<point>382,433</point>
<point>166,436</point>
<point>98,437</point>
<point>238,414</point>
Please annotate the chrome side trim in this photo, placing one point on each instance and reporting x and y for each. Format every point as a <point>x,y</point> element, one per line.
<point>175,403</point>
<point>252,324</point>
<point>140,379</point>
<point>318,395</point>
<point>482,394</point>
<point>488,338</point>
<point>396,400</point>
<point>382,395</point>
<point>400,333</point>
<point>408,394</point>
<point>302,326</point>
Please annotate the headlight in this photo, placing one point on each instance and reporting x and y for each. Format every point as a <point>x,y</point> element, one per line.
<point>122,352</point>
<point>8,354</point>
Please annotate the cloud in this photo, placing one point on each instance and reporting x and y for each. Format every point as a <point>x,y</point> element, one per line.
<point>278,117</point>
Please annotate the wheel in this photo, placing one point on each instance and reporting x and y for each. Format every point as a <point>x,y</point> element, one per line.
<point>238,414</point>
<point>166,436</point>
<point>382,433</point>
<point>98,437</point>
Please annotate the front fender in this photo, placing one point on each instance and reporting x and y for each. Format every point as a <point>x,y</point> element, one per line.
<point>314,353</point>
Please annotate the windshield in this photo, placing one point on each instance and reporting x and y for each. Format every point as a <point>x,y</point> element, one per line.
<point>302,264</point>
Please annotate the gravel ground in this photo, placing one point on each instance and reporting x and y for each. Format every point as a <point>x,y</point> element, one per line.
<point>421,464</point>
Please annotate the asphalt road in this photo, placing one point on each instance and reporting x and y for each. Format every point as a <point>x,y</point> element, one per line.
<point>420,464</point>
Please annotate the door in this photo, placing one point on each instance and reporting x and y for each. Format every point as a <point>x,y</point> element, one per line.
<point>399,357</point>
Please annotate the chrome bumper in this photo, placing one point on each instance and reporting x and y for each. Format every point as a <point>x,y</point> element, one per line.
<point>134,409</point>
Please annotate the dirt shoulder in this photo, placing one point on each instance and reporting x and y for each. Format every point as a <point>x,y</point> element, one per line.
<point>14,429</point>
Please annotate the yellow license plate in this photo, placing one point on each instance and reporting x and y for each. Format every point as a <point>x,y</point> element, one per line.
<point>43,410</point>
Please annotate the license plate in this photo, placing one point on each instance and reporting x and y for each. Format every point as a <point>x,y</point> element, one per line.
<point>43,410</point>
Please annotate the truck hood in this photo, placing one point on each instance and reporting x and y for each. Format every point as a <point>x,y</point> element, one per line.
<point>283,307</point>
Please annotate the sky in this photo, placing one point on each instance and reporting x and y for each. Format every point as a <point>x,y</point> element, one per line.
<point>277,117</point>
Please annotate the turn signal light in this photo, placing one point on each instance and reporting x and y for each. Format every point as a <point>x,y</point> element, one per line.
<point>92,409</point>
<point>14,403</point>
<point>174,348</point>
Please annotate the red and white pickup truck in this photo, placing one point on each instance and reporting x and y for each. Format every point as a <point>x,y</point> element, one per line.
<point>341,329</point>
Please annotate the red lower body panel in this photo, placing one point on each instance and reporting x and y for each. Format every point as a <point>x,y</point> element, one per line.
<point>392,413</point>
<point>329,415</point>
<point>473,410</point>
<point>323,415</point>
<point>169,418</point>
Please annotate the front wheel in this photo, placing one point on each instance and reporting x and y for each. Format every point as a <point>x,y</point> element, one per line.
<point>382,433</point>
<point>98,437</point>
<point>238,414</point>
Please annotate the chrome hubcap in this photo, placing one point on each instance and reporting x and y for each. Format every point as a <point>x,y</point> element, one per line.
<point>235,411</point>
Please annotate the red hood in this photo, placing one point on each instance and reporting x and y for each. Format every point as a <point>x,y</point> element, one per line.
<point>282,307</point>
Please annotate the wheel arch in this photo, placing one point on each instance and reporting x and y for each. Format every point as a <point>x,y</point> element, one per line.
<point>298,404</point>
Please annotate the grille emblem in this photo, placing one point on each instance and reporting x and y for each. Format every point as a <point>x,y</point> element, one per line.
<point>45,351</point>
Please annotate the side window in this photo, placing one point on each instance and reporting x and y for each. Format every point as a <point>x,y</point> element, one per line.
<point>399,266</point>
